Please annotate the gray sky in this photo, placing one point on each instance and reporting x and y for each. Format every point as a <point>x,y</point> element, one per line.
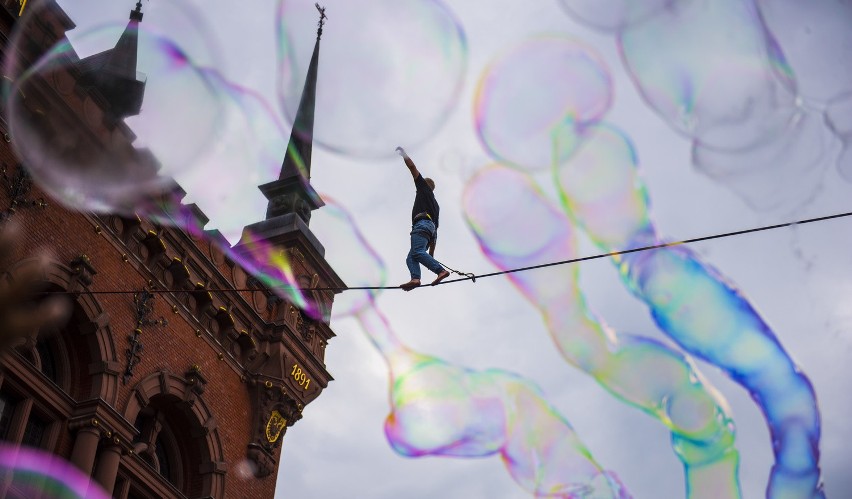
<point>797,278</point>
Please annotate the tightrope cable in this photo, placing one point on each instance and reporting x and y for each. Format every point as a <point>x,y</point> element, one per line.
<point>473,277</point>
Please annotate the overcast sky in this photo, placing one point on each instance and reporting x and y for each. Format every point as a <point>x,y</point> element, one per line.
<point>797,278</point>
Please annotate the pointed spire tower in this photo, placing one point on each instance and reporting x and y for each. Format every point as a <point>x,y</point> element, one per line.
<point>292,192</point>
<point>113,72</point>
<point>292,198</point>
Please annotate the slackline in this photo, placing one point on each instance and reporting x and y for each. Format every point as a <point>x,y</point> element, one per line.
<point>474,277</point>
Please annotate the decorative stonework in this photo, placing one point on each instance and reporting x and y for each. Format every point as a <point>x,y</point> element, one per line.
<point>18,186</point>
<point>302,324</point>
<point>144,302</point>
<point>274,412</point>
<point>84,271</point>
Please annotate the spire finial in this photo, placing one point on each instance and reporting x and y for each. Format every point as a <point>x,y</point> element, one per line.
<point>136,15</point>
<point>321,23</point>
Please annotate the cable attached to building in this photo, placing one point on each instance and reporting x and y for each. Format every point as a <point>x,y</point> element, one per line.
<point>473,277</point>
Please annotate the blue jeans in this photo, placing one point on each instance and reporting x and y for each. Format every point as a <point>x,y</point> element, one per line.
<point>421,233</point>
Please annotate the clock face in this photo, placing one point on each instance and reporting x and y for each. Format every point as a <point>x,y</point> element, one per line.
<point>274,426</point>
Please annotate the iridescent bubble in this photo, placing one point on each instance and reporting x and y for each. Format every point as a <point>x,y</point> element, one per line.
<point>712,72</point>
<point>612,15</point>
<point>270,263</point>
<point>390,72</point>
<point>350,255</point>
<point>598,184</point>
<point>248,153</point>
<point>698,308</point>
<point>816,40</point>
<point>147,115</point>
<point>35,473</point>
<point>439,409</point>
<point>536,87</point>
<point>644,373</point>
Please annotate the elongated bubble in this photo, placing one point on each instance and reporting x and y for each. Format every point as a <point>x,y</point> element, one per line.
<point>442,409</point>
<point>641,372</point>
<point>535,87</point>
<point>123,150</point>
<point>709,318</point>
<point>391,70</point>
<point>350,255</point>
<point>439,409</point>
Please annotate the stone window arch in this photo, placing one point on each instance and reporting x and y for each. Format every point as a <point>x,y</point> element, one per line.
<point>77,354</point>
<point>178,437</point>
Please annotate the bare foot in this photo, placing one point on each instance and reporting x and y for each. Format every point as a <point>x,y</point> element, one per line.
<point>410,284</point>
<point>443,275</point>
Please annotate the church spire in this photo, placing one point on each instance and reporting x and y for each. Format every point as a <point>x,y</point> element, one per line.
<point>113,72</point>
<point>292,192</point>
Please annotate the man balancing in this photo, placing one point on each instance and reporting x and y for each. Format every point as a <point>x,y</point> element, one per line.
<point>424,228</point>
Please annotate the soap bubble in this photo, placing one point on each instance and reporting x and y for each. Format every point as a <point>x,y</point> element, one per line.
<point>125,148</point>
<point>710,69</point>
<point>35,473</point>
<point>390,71</point>
<point>535,88</point>
<point>350,255</point>
<point>816,39</point>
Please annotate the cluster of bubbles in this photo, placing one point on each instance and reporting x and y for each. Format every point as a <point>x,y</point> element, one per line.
<point>442,409</point>
<point>393,71</point>
<point>34,472</point>
<point>594,170</point>
<point>739,78</point>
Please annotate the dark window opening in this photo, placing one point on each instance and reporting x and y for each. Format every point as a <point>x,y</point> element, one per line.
<point>49,366</point>
<point>7,408</point>
<point>164,461</point>
<point>34,432</point>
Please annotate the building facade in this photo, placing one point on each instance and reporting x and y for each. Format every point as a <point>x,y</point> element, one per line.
<point>176,373</point>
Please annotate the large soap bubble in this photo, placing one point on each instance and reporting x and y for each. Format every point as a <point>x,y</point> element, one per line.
<point>534,89</point>
<point>816,39</point>
<point>147,114</point>
<point>390,71</point>
<point>711,71</point>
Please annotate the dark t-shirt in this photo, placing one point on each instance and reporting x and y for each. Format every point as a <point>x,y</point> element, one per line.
<point>425,200</point>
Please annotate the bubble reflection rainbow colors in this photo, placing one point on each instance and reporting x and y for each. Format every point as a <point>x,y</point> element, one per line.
<point>555,80</point>
<point>33,472</point>
<point>700,310</point>
<point>441,409</point>
<point>642,372</point>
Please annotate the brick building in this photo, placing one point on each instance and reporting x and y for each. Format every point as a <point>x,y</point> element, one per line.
<point>202,409</point>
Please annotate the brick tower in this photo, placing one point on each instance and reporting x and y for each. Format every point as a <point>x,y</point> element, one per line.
<point>176,374</point>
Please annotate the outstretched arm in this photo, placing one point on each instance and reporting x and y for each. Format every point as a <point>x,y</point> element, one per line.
<point>410,164</point>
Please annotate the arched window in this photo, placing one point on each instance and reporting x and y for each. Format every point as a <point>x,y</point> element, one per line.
<point>165,443</point>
